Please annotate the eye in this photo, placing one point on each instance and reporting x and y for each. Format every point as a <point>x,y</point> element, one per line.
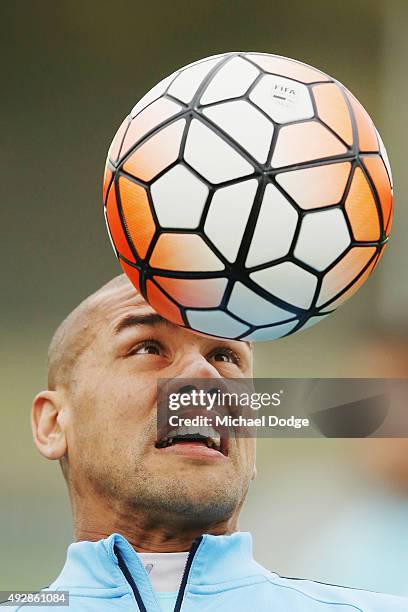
<point>226,355</point>
<point>147,347</point>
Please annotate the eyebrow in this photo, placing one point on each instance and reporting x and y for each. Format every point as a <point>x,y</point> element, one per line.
<point>152,318</point>
<point>132,320</point>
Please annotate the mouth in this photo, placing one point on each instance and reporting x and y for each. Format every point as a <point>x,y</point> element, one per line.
<point>205,441</point>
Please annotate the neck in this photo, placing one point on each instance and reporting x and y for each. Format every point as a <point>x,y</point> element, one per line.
<point>146,533</point>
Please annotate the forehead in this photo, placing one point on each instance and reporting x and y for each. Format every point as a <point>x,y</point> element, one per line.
<point>113,302</point>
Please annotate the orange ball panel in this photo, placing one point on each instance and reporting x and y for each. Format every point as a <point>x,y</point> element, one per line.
<point>107,179</point>
<point>289,68</point>
<point>316,187</point>
<point>115,226</point>
<point>303,142</point>
<point>367,138</point>
<point>333,110</point>
<point>137,214</point>
<point>198,293</point>
<point>379,175</point>
<point>156,153</point>
<point>147,120</point>
<point>347,294</point>
<point>184,252</point>
<point>114,149</point>
<point>361,209</point>
<point>162,304</point>
<point>344,272</point>
<point>132,274</point>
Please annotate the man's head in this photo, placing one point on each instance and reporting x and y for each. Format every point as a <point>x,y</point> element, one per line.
<point>98,415</point>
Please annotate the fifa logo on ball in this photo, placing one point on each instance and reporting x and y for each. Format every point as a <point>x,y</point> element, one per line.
<point>281,92</point>
<point>247,196</point>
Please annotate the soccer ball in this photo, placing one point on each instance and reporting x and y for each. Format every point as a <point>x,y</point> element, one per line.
<point>247,195</point>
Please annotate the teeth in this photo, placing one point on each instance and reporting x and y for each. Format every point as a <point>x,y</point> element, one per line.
<point>212,436</point>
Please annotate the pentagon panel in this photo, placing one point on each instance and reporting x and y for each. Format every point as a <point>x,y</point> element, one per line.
<point>147,120</point>
<point>244,124</point>
<point>251,307</point>
<point>231,81</point>
<point>282,99</point>
<point>179,198</point>
<point>137,214</point>
<point>344,272</point>
<point>288,282</point>
<point>115,227</point>
<point>318,186</point>
<point>196,292</point>
<point>332,108</point>
<point>356,285</point>
<point>185,253</point>
<point>362,210</point>
<point>304,142</point>
<point>323,237</point>
<point>287,67</point>
<point>215,323</point>
<point>212,157</point>
<point>158,152</point>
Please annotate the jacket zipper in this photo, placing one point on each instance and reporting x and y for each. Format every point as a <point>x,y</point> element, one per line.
<point>183,583</point>
<point>130,580</point>
<point>186,572</point>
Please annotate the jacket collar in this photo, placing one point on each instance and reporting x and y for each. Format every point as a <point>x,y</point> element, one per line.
<point>95,564</point>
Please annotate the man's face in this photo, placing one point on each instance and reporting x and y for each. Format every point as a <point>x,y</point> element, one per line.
<point>110,415</point>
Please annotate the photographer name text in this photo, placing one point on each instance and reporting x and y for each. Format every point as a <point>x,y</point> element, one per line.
<point>216,420</point>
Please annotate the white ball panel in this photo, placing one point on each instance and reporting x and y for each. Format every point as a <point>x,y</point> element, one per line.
<point>282,99</point>
<point>156,91</point>
<point>187,82</point>
<point>312,321</point>
<point>323,237</point>
<point>271,333</point>
<point>148,119</point>
<point>288,282</point>
<point>228,215</point>
<point>274,229</point>
<point>253,308</point>
<point>231,81</point>
<point>211,156</point>
<point>216,323</point>
<point>179,198</point>
<point>245,124</point>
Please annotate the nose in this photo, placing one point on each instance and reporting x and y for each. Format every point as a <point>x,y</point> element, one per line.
<point>196,366</point>
<point>192,372</point>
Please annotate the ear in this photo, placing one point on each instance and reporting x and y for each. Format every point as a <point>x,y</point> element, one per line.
<point>254,473</point>
<point>49,437</point>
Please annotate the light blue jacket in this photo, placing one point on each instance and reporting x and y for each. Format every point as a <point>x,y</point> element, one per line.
<point>220,576</point>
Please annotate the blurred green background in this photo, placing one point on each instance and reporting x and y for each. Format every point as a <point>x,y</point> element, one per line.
<point>71,71</point>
